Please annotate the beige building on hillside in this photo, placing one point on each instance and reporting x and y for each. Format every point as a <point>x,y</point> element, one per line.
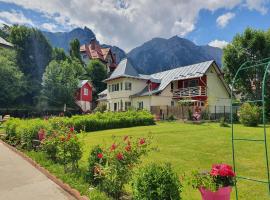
<point>199,83</point>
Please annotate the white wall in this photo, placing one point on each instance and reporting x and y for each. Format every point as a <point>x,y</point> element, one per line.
<point>123,95</point>
<point>216,91</point>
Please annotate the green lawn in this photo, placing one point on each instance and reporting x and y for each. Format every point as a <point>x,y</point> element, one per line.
<point>189,147</point>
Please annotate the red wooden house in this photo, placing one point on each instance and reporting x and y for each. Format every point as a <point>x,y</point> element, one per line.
<point>84,95</point>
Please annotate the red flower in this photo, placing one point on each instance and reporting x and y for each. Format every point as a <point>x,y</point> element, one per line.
<point>214,172</point>
<point>120,156</point>
<point>142,141</point>
<point>71,129</point>
<point>113,147</point>
<point>128,148</point>
<point>68,137</point>
<point>100,155</point>
<point>222,170</point>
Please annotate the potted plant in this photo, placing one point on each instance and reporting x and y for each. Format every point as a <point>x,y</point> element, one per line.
<point>216,184</point>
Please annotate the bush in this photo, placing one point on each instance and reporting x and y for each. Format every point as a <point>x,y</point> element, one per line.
<point>223,123</point>
<point>171,118</point>
<point>93,160</point>
<point>157,182</point>
<point>22,132</point>
<point>64,147</point>
<point>249,115</point>
<point>111,168</point>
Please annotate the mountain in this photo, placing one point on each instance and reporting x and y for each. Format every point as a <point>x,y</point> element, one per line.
<point>62,40</point>
<point>156,55</point>
<point>161,54</point>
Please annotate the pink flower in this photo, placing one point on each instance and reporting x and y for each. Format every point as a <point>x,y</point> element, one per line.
<point>71,129</point>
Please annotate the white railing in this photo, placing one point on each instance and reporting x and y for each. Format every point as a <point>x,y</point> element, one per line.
<point>190,92</point>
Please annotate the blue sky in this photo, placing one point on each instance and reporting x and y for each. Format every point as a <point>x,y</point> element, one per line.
<point>130,23</point>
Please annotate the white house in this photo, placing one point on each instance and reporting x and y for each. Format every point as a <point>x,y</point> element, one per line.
<point>199,83</point>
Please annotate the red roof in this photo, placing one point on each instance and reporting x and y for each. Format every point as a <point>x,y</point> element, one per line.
<point>94,51</point>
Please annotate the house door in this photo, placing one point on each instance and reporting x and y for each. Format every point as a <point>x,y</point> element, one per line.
<point>115,106</point>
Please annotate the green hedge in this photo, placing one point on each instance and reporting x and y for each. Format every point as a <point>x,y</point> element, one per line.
<point>21,132</point>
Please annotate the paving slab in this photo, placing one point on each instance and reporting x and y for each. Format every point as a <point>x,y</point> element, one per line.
<point>19,180</point>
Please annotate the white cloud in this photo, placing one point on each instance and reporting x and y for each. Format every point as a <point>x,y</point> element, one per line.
<point>224,19</point>
<point>259,5</point>
<point>218,43</point>
<point>128,23</point>
<point>14,17</point>
<point>49,27</point>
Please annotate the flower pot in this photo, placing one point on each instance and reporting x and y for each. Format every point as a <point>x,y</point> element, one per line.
<point>222,194</point>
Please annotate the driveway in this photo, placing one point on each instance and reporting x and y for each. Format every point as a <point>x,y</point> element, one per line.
<point>19,180</point>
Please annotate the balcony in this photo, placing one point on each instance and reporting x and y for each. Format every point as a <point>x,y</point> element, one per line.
<point>190,92</point>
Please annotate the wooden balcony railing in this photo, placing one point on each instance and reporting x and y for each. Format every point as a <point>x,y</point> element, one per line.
<point>190,92</point>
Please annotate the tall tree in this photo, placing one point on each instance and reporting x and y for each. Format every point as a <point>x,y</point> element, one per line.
<point>74,50</point>
<point>96,72</point>
<point>60,83</point>
<point>11,78</point>
<point>33,55</point>
<point>252,45</point>
<point>59,54</point>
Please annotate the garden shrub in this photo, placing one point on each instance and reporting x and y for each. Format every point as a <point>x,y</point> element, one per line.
<point>113,166</point>
<point>93,160</point>
<point>22,132</point>
<point>171,118</point>
<point>11,135</point>
<point>249,115</point>
<point>223,123</point>
<point>64,147</point>
<point>157,182</point>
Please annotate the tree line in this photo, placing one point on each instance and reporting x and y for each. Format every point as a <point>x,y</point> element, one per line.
<point>36,75</point>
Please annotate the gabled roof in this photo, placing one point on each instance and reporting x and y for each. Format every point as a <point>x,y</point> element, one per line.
<point>180,73</point>
<point>125,69</point>
<point>3,42</point>
<point>83,82</point>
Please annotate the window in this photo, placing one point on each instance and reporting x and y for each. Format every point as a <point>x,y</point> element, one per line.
<point>127,105</point>
<point>85,91</point>
<point>115,107</point>
<point>115,87</point>
<point>110,88</point>
<point>128,86</point>
<point>191,83</point>
<point>171,85</point>
<point>140,105</point>
<point>172,103</point>
<point>121,86</point>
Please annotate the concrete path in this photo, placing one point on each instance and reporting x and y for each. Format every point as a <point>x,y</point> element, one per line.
<point>19,180</point>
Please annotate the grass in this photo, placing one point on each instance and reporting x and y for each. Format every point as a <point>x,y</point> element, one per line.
<point>188,147</point>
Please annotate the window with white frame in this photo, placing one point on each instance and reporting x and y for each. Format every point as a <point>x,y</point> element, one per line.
<point>85,91</point>
<point>140,105</point>
<point>128,86</point>
<point>127,105</point>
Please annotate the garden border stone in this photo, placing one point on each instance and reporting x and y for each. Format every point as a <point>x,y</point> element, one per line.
<point>75,193</point>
